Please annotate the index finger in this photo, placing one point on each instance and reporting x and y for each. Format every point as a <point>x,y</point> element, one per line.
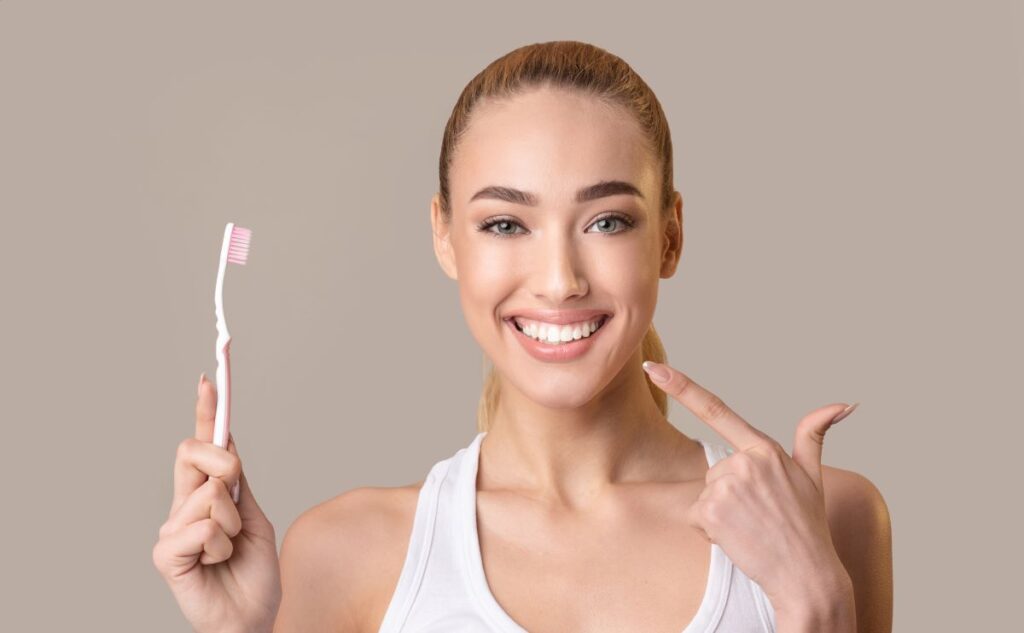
<point>206,409</point>
<point>711,409</point>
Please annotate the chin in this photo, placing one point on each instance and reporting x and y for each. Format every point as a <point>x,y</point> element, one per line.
<point>569,393</point>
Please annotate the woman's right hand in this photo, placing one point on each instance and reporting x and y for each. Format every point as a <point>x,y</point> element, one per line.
<point>219,559</point>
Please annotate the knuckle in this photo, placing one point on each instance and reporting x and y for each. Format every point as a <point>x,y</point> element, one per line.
<point>744,464</point>
<point>233,466</point>
<point>208,530</point>
<point>815,433</point>
<point>158,558</point>
<point>729,485</point>
<point>776,454</point>
<point>715,408</point>
<point>213,489</point>
<point>682,384</point>
<point>186,448</point>
<point>236,522</point>
<point>711,512</point>
<point>220,550</point>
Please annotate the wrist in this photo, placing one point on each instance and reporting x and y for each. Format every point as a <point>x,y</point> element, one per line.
<point>824,605</point>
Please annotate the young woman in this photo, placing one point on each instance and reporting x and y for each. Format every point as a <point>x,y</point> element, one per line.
<point>577,506</point>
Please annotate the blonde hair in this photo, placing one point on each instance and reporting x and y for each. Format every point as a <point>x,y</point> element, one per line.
<point>584,68</point>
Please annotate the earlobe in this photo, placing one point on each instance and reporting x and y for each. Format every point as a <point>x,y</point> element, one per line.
<point>442,239</point>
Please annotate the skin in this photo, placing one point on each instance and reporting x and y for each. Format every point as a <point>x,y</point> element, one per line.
<point>594,512</point>
<point>218,559</point>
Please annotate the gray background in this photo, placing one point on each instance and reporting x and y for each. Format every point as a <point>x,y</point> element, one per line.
<point>866,158</point>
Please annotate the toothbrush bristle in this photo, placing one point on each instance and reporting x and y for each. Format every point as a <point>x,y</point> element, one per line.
<point>238,247</point>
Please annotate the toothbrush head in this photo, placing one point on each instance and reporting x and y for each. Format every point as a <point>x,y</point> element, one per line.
<point>238,248</point>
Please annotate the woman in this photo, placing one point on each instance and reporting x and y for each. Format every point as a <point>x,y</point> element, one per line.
<point>588,510</point>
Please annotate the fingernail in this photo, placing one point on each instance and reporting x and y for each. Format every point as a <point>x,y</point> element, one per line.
<point>657,372</point>
<point>199,389</point>
<point>845,412</point>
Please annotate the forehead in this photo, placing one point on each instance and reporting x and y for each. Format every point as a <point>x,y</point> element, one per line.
<point>552,142</point>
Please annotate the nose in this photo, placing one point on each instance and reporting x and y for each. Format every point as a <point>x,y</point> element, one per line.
<point>557,273</point>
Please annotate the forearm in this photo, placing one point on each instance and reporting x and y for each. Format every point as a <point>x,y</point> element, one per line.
<point>827,607</point>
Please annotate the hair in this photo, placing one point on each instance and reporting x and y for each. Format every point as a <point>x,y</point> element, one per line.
<point>590,70</point>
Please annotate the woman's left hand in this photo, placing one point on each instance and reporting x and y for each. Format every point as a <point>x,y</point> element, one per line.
<point>765,509</point>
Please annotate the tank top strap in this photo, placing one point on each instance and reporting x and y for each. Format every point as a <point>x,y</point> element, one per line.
<point>442,586</point>
<point>417,554</point>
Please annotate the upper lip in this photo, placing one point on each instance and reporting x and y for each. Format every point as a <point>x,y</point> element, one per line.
<point>560,317</point>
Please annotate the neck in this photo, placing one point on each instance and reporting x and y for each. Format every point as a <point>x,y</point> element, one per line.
<point>574,456</point>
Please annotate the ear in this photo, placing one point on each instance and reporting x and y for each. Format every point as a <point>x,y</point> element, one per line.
<point>672,238</point>
<point>442,238</point>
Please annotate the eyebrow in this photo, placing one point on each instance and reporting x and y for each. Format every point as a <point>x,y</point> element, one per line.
<point>599,190</point>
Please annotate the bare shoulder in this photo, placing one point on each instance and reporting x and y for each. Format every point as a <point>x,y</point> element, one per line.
<point>861,529</point>
<point>341,559</point>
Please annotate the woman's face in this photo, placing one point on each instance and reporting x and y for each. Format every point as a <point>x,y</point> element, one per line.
<point>546,249</point>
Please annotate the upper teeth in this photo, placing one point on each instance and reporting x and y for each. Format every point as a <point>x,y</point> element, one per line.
<point>555,333</point>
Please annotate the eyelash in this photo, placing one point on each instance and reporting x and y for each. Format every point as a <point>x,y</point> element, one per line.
<point>487,224</point>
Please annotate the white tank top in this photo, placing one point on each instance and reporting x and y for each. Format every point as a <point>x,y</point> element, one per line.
<point>442,587</point>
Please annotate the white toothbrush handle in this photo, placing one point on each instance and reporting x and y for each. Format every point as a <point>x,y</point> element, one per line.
<point>222,420</point>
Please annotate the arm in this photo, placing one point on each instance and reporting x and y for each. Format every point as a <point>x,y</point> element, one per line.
<point>312,582</point>
<point>855,595</point>
<point>862,533</point>
<point>340,560</point>
<point>327,559</point>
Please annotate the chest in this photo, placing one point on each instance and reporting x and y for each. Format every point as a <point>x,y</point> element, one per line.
<point>633,565</point>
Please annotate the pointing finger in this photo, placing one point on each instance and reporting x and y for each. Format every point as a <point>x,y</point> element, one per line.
<point>706,406</point>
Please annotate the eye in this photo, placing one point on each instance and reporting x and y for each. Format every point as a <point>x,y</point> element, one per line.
<point>614,217</point>
<point>504,224</point>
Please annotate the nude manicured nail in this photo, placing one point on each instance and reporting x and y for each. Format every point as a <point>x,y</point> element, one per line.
<point>655,371</point>
<point>845,412</point>
<point>199,389</point>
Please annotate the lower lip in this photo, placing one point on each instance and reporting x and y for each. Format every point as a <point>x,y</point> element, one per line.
<point>560,352</point>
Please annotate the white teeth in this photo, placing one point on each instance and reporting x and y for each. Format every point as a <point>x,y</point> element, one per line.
<point>554,334</point>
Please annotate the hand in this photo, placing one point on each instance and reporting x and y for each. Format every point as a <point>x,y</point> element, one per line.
<point>219,559</point>
<point>765,509</point>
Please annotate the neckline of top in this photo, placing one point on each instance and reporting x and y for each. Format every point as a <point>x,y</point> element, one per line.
<point>719,570</point>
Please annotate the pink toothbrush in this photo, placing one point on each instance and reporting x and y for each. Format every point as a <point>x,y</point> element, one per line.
<point>235,250</point>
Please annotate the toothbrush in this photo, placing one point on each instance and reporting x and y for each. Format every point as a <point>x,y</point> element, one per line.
<point>235,250</point>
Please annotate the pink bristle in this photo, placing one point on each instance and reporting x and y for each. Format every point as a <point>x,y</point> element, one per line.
<point>238,247</point>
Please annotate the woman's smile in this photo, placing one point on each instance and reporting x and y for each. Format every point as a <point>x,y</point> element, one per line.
<point>550,342</point>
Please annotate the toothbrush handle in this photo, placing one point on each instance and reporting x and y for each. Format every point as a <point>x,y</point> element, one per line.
<point>222,420</point>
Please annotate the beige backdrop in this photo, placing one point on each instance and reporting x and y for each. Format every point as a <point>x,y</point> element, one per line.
<point>852,185</point>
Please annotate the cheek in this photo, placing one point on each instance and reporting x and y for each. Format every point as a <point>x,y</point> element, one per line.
<point>484,270</point>
<point>626,275</point>
<point>486,278</point>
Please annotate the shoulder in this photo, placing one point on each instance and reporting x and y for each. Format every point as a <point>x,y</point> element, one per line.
<point>341,559</point>
<point>861,529</point>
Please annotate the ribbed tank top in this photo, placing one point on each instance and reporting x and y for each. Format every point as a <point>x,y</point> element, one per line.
<point>442,586</point>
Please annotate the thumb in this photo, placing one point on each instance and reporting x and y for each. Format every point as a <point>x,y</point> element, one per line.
<point>810,438</point>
